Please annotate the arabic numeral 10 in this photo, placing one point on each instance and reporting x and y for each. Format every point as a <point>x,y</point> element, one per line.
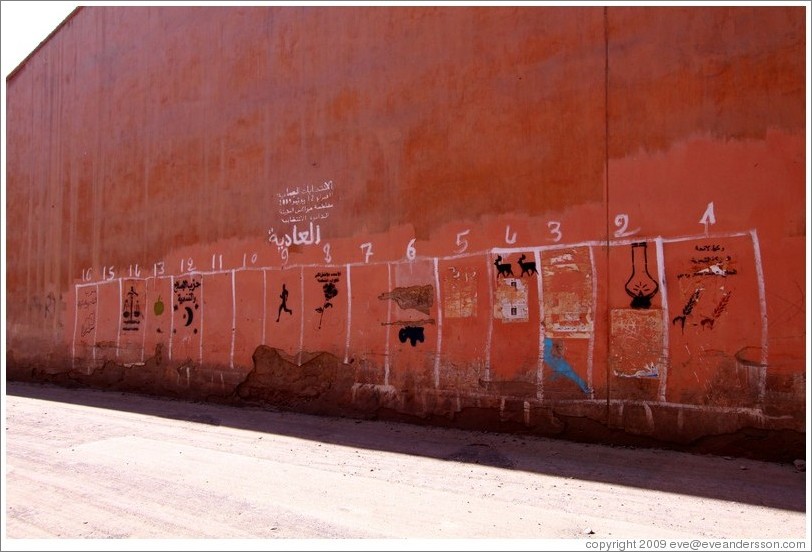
<point>253,259</point>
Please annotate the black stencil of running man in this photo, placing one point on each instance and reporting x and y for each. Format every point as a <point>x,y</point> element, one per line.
<point>284,305</point>
<point>329,281</point>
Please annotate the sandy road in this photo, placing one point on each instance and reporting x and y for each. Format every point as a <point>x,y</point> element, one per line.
<point>90,464</point>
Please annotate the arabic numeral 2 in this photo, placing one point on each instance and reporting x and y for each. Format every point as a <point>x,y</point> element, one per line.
<point>327,257</point>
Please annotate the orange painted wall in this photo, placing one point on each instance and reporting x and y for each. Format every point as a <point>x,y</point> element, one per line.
<point>170,169</point>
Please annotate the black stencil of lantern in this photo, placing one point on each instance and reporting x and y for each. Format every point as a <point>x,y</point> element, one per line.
<point>640,286</point>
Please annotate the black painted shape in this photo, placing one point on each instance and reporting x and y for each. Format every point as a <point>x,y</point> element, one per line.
<point>505,269</point>
<point>412,333</point>
<point>528,268</point>
<point>284,305</point>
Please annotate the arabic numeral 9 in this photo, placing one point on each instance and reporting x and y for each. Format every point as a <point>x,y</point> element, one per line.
<point>411,253</point>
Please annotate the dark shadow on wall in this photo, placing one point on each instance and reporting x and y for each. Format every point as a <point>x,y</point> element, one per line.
<point>716,477</point>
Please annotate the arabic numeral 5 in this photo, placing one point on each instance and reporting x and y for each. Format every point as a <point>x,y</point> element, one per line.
<point>411,253</point>
<point>87,275</point>
<point>136,272</point>
<point>109,272</point>
<point>187,265</point>
<point>462,243</point>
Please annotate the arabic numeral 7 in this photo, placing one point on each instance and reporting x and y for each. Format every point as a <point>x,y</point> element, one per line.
<point>367,249</point>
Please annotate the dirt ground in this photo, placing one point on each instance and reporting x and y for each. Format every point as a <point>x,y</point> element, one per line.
<point>86,464</point>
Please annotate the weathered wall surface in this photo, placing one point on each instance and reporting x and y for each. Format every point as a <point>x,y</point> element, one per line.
<point>576,221</point>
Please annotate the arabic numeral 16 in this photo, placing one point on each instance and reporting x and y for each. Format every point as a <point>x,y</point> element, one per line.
<point>87,275</point>
<point>136,272</point>
<point>187,265</point>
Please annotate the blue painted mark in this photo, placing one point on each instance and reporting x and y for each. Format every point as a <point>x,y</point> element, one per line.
<point>560,365</point>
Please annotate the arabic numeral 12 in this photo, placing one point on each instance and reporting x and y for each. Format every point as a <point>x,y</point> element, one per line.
<point>187,265</point>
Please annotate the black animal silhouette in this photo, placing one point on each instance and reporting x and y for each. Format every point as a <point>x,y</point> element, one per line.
<point>527,267</point>
<point>505,269</point>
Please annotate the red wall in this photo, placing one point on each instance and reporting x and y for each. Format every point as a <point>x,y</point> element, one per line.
<point>170,169</point>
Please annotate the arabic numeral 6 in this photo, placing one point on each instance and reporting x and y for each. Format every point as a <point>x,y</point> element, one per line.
<point>411,253</point>
<point>87,275</point>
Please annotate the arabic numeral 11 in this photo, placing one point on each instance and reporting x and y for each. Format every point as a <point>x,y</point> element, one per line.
<point>219,260</point>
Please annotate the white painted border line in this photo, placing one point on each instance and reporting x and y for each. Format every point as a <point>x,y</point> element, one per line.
<point>75,326</point>
<point>144,328</point>
<point>301,317</point>
<point>95,327</point>
<point>658,244</point>
<point>540,359</point>
<point>489,337</point>
<point>590,356</point>
<point>120,309</point>
<point>349,316</point>
<point>171,312</point>
<point>762,300</point>
<point>388,326</point>
<point>264,305</point>
<point>233,320</point>
<point>200,340</point>
<point>439,323</point>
